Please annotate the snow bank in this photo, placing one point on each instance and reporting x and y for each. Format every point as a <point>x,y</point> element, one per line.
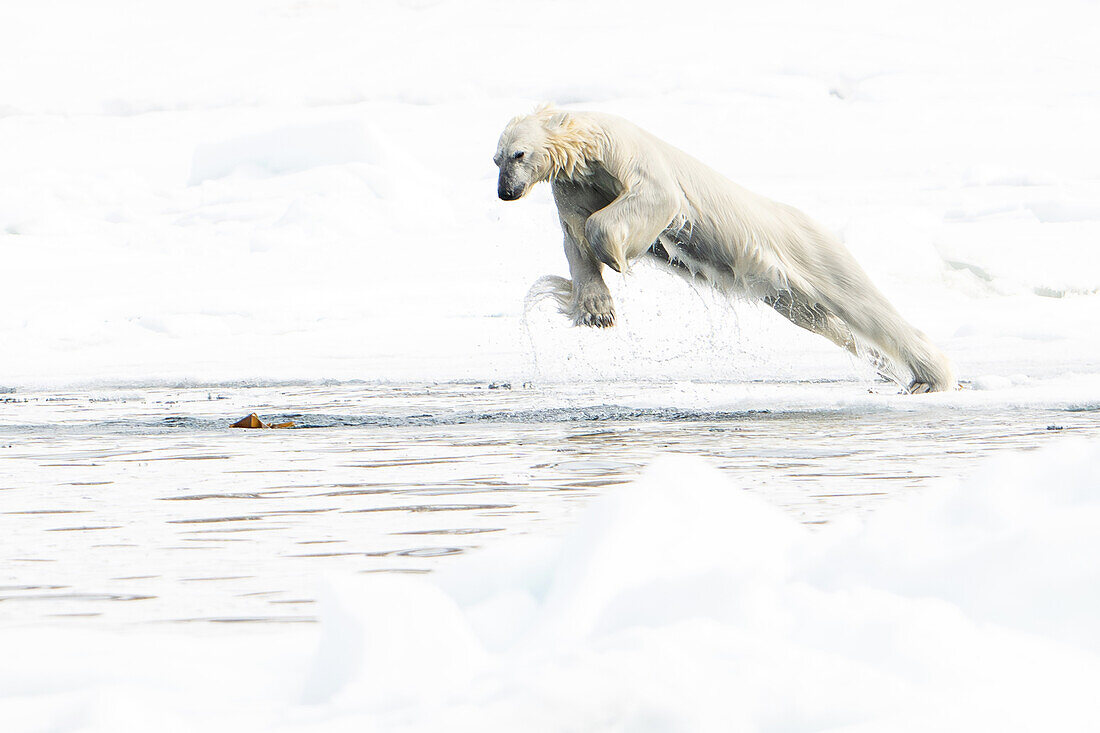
<point>972,606</point>
<point>303,190</point>
<point>286,150</point>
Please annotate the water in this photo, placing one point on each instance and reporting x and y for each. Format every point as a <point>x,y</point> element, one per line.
<point>141,505</point>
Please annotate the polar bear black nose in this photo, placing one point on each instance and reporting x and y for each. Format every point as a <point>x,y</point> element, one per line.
<point>508,191</point>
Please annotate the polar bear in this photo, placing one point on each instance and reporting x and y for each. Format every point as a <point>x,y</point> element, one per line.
<point>622,194</point>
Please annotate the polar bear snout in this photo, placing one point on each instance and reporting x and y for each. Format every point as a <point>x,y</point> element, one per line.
<point>509,187</point>
<point>508,192</point>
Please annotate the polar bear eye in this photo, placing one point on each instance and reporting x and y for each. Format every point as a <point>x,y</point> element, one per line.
<point>518,154</point>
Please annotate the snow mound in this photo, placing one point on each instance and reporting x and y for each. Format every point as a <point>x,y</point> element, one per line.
<point>285,150</point>
<point>968,607</point>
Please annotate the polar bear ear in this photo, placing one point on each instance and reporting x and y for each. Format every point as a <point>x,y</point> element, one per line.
<point>557,120</point>
<point>552,118</point>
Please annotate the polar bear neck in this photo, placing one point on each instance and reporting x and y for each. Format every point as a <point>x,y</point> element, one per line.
<point>572,145</point>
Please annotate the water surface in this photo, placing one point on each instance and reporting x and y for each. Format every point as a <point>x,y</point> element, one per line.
<point>142,505</point>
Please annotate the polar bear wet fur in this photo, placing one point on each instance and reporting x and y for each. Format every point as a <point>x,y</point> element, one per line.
<point>622,194</point>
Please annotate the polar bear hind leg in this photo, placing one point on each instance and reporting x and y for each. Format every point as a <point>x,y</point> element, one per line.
<point>814,317</point>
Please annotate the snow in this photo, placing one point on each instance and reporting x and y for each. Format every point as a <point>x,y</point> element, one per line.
<point>303,190</point>
<point>263,193</point>
<point>971,605</point>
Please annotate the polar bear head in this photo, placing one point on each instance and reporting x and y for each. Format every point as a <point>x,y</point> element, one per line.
<point>538,147</point>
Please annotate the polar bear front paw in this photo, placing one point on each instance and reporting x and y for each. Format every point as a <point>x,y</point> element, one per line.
<point>594,309</point>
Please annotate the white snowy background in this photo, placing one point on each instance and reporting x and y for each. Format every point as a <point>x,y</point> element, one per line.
<point>238,190</point>
<point>221,191</point>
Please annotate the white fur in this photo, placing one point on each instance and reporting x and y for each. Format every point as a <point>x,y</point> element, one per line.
<point>622,193</point>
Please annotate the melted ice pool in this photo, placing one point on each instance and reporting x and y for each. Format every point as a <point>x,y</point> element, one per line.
<point>141,505</point>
